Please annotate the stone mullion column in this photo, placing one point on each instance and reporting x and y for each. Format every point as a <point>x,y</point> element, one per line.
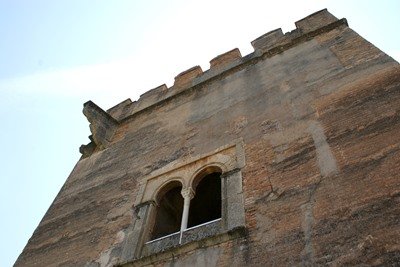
<point>224,200</point>
<point>187,194</point>
<point>137,232</point>
<point>232,199</point>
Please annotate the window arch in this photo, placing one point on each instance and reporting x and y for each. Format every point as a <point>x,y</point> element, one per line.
<point>207,203</point>
<point>169,210</point>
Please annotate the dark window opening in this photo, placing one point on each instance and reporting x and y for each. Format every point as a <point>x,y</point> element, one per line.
<point>169,212</point>
<point>206,205</point>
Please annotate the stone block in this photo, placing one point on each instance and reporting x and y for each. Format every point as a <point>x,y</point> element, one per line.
<point>117,110</point>
<point>186,77</point>
<point>315,21</point>
<point>225,59</point>
<point>268,40</point>
<point>151,97</point>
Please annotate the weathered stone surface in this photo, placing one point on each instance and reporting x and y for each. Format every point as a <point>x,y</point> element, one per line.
<point>319,119</point>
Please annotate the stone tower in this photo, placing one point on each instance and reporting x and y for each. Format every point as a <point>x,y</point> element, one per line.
<point>288,156</point>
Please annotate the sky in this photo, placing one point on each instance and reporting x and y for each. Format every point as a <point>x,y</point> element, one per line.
<point>56,55</point>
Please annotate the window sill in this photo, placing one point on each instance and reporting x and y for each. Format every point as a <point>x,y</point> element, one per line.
<point>200,236</point>
<point>195,233</point>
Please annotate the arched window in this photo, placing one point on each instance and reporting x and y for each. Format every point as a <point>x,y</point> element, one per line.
<point>169,210</point>
<point>189,200</point>
<point>206,204</point>
<point>170,216</point>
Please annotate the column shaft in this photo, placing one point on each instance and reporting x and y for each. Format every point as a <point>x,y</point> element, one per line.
<point>187,194</point>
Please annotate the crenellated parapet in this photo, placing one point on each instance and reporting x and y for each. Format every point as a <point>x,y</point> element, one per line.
<point>275,41</point>
<point>267,45</point>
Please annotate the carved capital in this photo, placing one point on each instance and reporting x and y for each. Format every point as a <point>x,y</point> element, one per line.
<point>188,193</point>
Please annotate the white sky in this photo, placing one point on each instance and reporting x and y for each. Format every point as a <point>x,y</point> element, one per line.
<point>56,55</point>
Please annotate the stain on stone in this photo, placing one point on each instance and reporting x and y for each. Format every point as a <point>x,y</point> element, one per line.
<point>307,225</point>
<point>326,161</point>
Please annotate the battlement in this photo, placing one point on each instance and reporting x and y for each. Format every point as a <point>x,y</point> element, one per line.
<point>269,44</point>
<point>265,46</point>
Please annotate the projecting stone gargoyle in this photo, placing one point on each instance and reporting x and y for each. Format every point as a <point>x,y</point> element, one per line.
<point>102,127</point>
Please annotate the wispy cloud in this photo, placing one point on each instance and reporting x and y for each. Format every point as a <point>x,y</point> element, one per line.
<point>116,77</point>
<point>107,84</point>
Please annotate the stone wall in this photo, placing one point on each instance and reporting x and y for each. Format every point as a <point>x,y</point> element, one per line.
<point>318,110</point>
